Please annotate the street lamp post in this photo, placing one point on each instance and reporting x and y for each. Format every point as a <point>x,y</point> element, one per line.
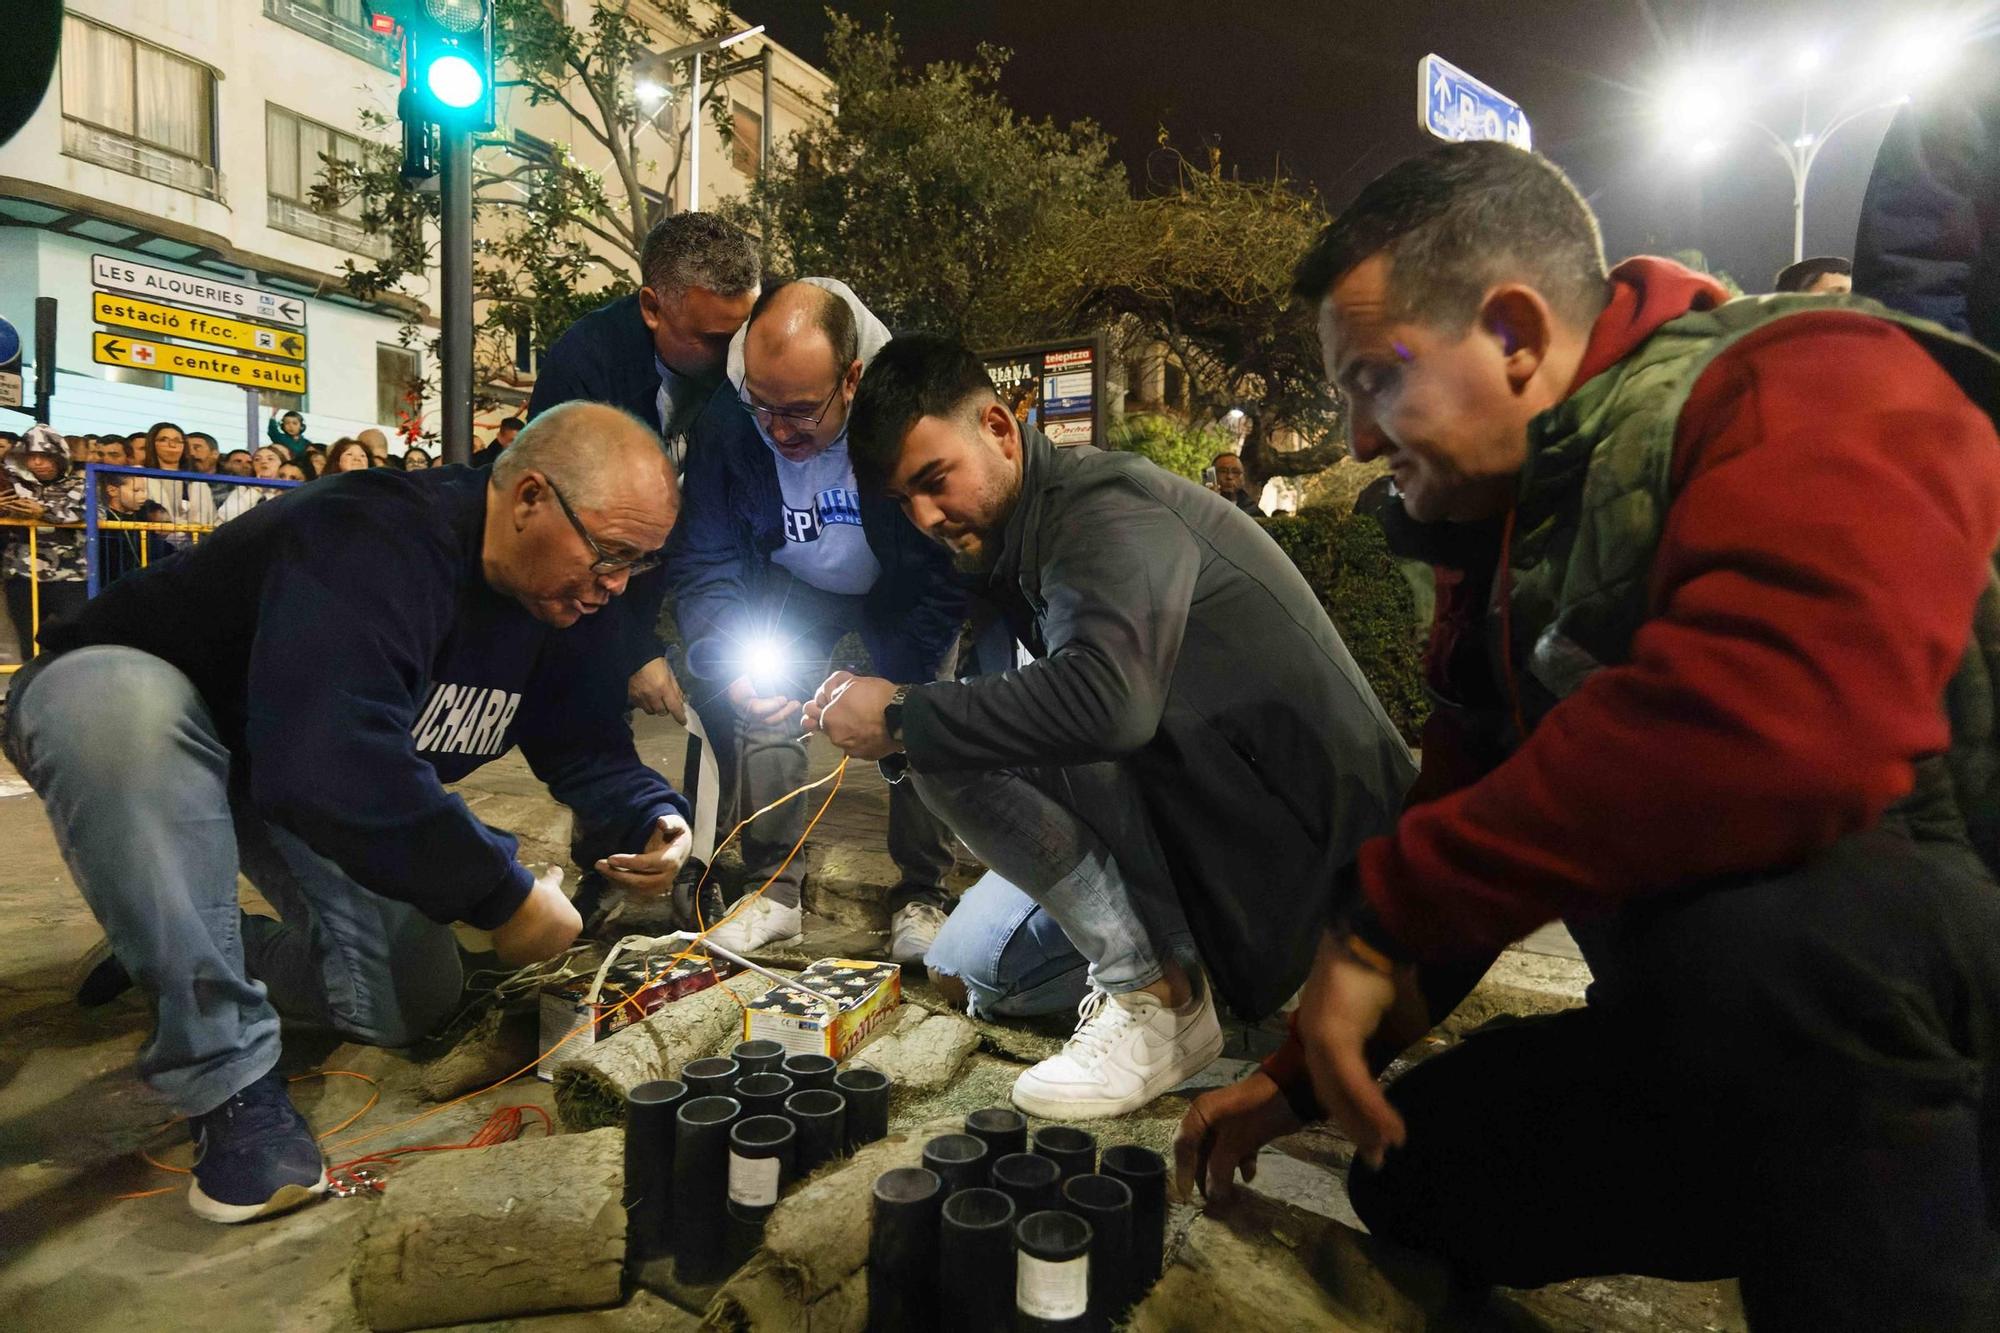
<point>692,53</point>
<point>1702,107</point>
<point>1801,152</point>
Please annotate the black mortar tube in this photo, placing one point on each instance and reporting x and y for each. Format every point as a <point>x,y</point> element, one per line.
<point>1069,1148</point>
<point>649,1170</point>
<point>759,1057</point>
<point>1145,1174</point>
<point>762,1152</point>
<point>867,1094</point>
<point>763,1093</point>
<point>701,1183</point>
<point>903,1252</point>
<point>820,1116</point>
<point>809,1070</point>
<point>1004,1129</point>
<point>1032,1181</point>
<point>1052,1284</point>
<point>959,1161</point>
<point>713,1077</point>
<point>1107,1205</point>
<point>976,1262</point>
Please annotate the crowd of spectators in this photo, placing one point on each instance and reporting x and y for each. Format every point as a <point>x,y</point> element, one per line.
<point>42,480</point>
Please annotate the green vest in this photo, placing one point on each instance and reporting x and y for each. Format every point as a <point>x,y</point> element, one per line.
<point>1593,500</point>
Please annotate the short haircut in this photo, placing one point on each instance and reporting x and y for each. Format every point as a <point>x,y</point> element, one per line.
<point>507,423</point>
<point>684,250</point>
<point>1457,220</point>
<point>831,316</point>
<point>1226,453</point>
<point>915,376</point>
<point>201,435</point>
<point>1797,277</point>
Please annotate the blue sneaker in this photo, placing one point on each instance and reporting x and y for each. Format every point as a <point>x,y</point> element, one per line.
<point>254,1156</point>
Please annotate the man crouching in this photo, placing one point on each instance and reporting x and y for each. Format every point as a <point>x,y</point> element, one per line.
<point>1169,732</point>
<point>290,698</point>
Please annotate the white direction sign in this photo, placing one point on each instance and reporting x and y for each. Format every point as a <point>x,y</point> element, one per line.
<point>186,289</point>
<point>1454,106</point>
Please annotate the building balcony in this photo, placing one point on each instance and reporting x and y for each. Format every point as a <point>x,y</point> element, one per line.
<point>339,232</point>
<point>316,23</point>
<point>109,149</point>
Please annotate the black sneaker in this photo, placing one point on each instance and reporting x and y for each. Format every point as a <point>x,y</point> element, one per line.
<point>98,977</point>
<point>254,1155</point>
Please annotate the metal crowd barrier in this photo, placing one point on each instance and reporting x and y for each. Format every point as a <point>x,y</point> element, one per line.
<point>92,525</point>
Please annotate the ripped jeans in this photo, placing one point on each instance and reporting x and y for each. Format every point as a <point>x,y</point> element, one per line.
<point>1068,903</point>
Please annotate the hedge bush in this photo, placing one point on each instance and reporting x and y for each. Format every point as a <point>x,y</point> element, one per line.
<point>1346,560</point>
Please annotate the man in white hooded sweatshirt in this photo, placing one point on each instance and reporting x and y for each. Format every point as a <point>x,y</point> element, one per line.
<point>775,559</point>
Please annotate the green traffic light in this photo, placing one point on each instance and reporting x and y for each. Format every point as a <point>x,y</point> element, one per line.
<point>455,81</point>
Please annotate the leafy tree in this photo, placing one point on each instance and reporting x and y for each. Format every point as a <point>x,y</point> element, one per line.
<point>555,235</point>
<point>926,192</point>
<point>1204,266</point>
<point>1178,448</point>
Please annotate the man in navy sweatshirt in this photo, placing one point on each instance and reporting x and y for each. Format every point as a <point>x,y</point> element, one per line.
<point>293,694</point>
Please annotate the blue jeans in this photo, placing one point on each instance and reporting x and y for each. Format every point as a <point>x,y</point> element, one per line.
<point>1014,959</point>
<point>1097,884</point>
<point>135,779</point>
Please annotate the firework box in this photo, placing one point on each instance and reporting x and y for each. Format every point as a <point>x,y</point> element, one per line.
<point>645,979</point>
<point>867,992</point>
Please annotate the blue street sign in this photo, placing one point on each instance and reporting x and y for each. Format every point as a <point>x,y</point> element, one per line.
<point>1454,106</point>
<point>10,344</point>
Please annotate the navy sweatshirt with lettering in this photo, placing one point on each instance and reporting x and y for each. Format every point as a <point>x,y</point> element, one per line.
<point>354,659</point>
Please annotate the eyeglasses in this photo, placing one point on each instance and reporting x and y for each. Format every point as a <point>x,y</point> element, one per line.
<point>602,564</point>
<point>771,416</point>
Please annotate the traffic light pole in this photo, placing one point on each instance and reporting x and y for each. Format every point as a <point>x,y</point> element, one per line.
<point>455,313</point>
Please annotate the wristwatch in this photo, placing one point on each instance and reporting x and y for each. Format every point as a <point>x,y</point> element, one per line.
<point>892,713</point>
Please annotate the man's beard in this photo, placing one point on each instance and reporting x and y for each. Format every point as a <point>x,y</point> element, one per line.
<point>997,498</point>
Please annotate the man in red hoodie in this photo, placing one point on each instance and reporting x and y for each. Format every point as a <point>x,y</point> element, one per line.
<point>1720,562</point>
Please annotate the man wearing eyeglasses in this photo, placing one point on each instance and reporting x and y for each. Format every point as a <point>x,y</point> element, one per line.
<point>778,557</point>
<point>294,694</point>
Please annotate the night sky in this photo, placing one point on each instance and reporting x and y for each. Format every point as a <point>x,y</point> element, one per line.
<point>1328,89</point>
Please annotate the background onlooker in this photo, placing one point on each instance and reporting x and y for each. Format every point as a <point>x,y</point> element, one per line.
<point>201,451</point>
<point>241,500</point>
<point>377,445</point>
<point>313,459</point>
<point>288,430</point>
<point>347,455</point>
<point>236,463</point>
<point>38,483</point>
<point>295,470</point>
<point>120,551</point>
<point>185,501</point>
<point>415,459</point>
<point>509,428</point>
<point>113,449</point>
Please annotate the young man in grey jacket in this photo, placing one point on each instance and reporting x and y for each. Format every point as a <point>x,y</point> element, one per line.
<point>1185,759</point>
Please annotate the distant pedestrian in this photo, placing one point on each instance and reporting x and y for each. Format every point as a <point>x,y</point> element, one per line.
<point>1229,484</point>
<point>122,551</point>
<point>1827,275</point>
<point>38,484</point>
<point>415,459</point>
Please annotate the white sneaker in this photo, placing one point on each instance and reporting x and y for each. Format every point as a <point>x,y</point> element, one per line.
<point>913,930</point>
<point>757,924</point>
<point>1127,1050</point>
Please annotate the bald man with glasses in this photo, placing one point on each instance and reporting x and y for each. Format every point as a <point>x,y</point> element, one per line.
<point>293,695</point>
<point>777,558</point>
